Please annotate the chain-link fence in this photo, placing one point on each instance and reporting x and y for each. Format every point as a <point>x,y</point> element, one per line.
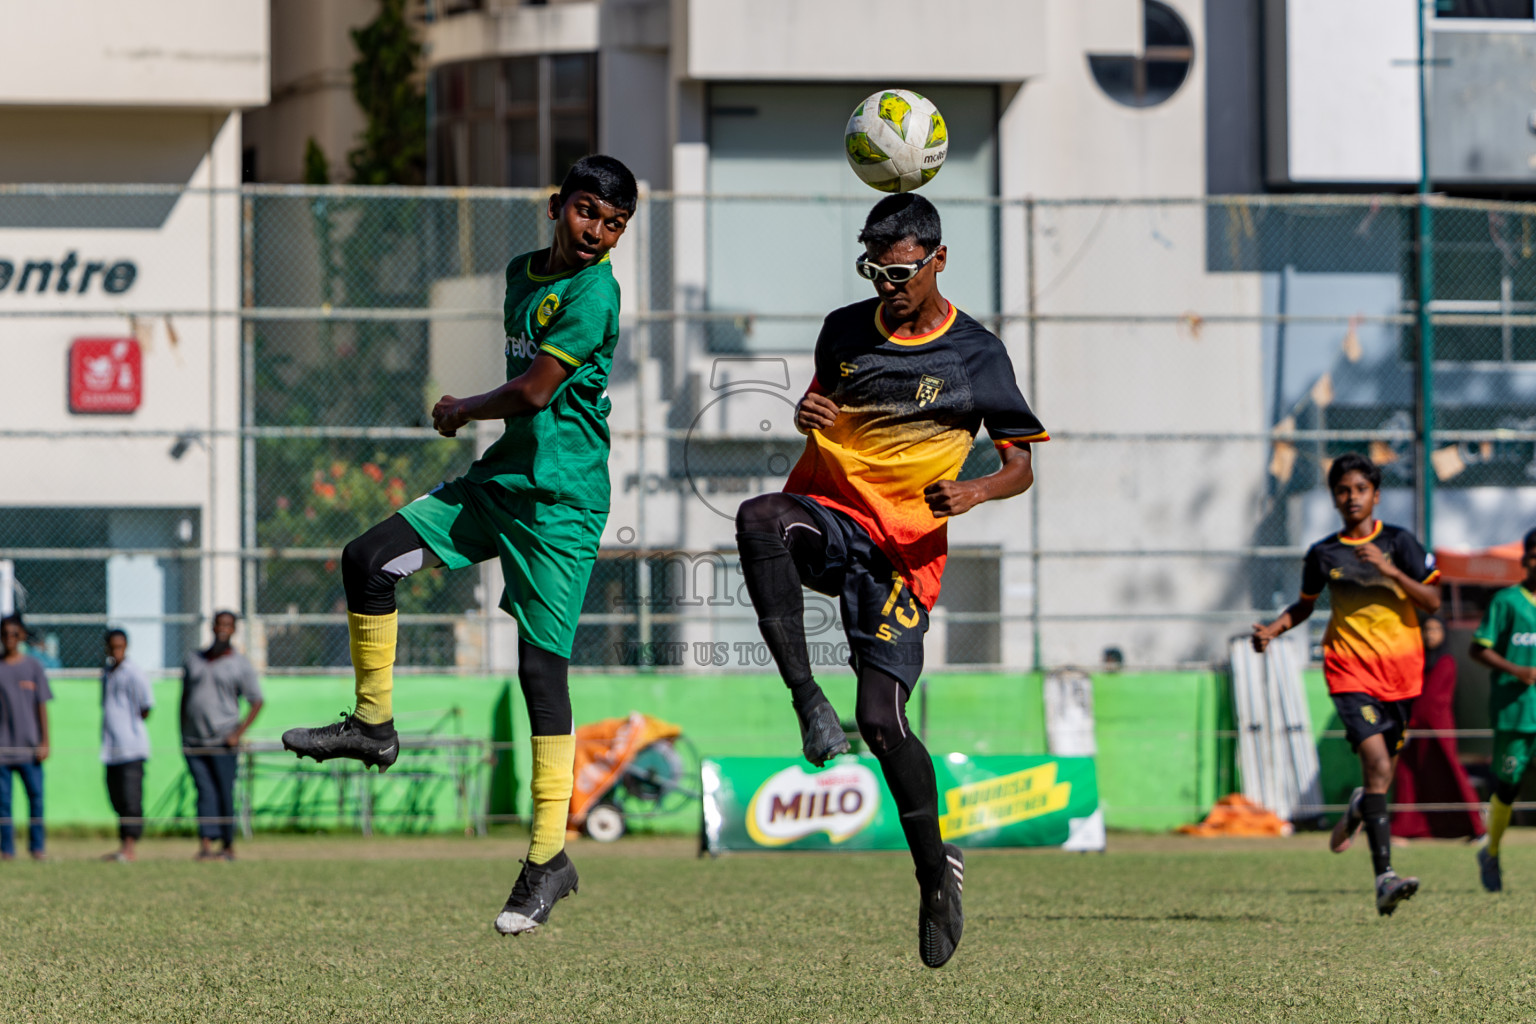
<point>1198,363</point>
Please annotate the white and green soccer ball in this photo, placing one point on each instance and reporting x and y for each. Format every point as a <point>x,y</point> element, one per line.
<point>896,140</point>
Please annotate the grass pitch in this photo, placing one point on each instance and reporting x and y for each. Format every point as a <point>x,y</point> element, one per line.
<point>1159,929</point>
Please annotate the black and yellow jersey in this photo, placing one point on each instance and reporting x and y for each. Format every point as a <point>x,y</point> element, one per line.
<point>909,411</point>
<point>1372,644</point>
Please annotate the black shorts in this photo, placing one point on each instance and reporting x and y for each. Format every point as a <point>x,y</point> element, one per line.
<point>1365,716</point>
<point>884,622</point>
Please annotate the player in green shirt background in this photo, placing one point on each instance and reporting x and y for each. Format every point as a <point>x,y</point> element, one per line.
<point>1505,641</point>
<point>537,500</point>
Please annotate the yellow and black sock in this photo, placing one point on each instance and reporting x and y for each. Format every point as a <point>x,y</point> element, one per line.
<point>554,759</point>
<point>1499,814</point>
<point>373,663</point>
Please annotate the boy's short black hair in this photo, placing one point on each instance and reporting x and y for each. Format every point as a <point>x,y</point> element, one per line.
<point>116,632</point>
<point>604,177</point>
<point>13,619</point>
<point>899,217</point>
<point>223,612</point>
<point>1530,540</point>
<point>1353,462</point>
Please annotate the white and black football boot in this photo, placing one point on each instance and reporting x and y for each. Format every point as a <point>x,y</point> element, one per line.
<point>538,888</point>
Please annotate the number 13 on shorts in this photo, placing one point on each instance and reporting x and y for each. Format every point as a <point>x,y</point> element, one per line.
<point>907,615</point>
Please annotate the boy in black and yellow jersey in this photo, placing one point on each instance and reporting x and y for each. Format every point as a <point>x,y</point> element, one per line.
<point>1378,577</point>
<point>903,383</point>
<point>537,501</point>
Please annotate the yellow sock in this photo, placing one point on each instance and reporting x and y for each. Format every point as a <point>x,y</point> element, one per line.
<point>554,759</point>
<point>1498,821</point>
<point>373,662</point>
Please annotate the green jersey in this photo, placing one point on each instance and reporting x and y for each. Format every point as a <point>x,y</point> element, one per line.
<point>1509,629</point>
<point>560,453</point>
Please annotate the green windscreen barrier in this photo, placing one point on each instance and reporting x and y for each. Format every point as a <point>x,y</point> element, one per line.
<point>1160,762</point>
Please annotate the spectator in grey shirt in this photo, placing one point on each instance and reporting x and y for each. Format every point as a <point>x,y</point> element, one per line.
<point>213,682</point>
<point>24,697</point>
<point>126,698</point>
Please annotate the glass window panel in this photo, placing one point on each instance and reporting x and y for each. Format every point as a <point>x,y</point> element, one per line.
<point>523,153</point>
<point>450,89</point>
<point>1149,79</point>
<point>1116,76</point>
<point>483,156</point>
<point>522,81</point>
<point>448,172</point>
<point>482,85</point>
<point>1516,9</point>
<point>759,145</point>
<point>1163,27</point>
<point>1467,270</point>
<point>571,135</point>
<point>1163,80</point>
<point>571,79</point>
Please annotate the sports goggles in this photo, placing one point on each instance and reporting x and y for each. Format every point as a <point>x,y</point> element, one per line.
<point>896,273</point>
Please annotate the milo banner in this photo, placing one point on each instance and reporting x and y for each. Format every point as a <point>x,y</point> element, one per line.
<point>772,803</point>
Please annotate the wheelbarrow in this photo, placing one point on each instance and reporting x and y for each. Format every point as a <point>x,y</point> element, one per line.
<point>628,769</point>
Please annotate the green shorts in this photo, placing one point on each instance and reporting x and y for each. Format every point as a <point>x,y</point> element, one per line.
<point>1511,754</point>
<point>546,551</point>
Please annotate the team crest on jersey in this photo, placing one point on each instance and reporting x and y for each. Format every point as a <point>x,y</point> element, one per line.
<point>1335,573</point>
<point>928,389</point>
<point>547,308</point>
<point>1369,714</point>
<point>848,368</point>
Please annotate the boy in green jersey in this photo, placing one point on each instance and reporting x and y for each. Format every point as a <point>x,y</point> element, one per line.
<point>537,500</point>
<point>1505,641</point>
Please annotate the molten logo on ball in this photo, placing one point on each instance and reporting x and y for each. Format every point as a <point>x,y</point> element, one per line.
<point>896,140</point>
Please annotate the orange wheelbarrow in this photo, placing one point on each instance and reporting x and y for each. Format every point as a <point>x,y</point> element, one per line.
<point>628,769</point>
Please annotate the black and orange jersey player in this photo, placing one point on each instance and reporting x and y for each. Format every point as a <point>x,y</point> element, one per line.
<point>903,383</point>
<point>1378,578</point>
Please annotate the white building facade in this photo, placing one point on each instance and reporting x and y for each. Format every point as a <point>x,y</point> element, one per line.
<point>1148,335</point>
<point>119,324</point>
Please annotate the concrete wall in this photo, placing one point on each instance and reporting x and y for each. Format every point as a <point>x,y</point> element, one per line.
<point>178,305</point>
<point>312,56</point>
<point>150,53</point>
<point>988,40</point>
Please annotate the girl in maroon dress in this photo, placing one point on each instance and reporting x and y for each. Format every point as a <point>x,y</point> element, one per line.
<point>1429,770</point>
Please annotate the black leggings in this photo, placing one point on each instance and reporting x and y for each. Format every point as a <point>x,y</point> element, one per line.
<point>777,536</point>
<point>772,530</point>
<point>372,564</point>
<point>881,711</point>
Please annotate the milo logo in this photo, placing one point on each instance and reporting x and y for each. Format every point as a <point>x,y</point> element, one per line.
<point>793,804</point>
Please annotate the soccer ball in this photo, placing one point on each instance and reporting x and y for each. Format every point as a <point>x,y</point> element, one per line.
<point>896,140</point>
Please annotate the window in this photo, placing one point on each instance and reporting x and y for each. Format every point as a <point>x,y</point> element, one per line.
<point>1155,75</point>
<point>1509,10</point>
<point>519,122</point>
<point>153,596</point>
<point>758,145</point>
